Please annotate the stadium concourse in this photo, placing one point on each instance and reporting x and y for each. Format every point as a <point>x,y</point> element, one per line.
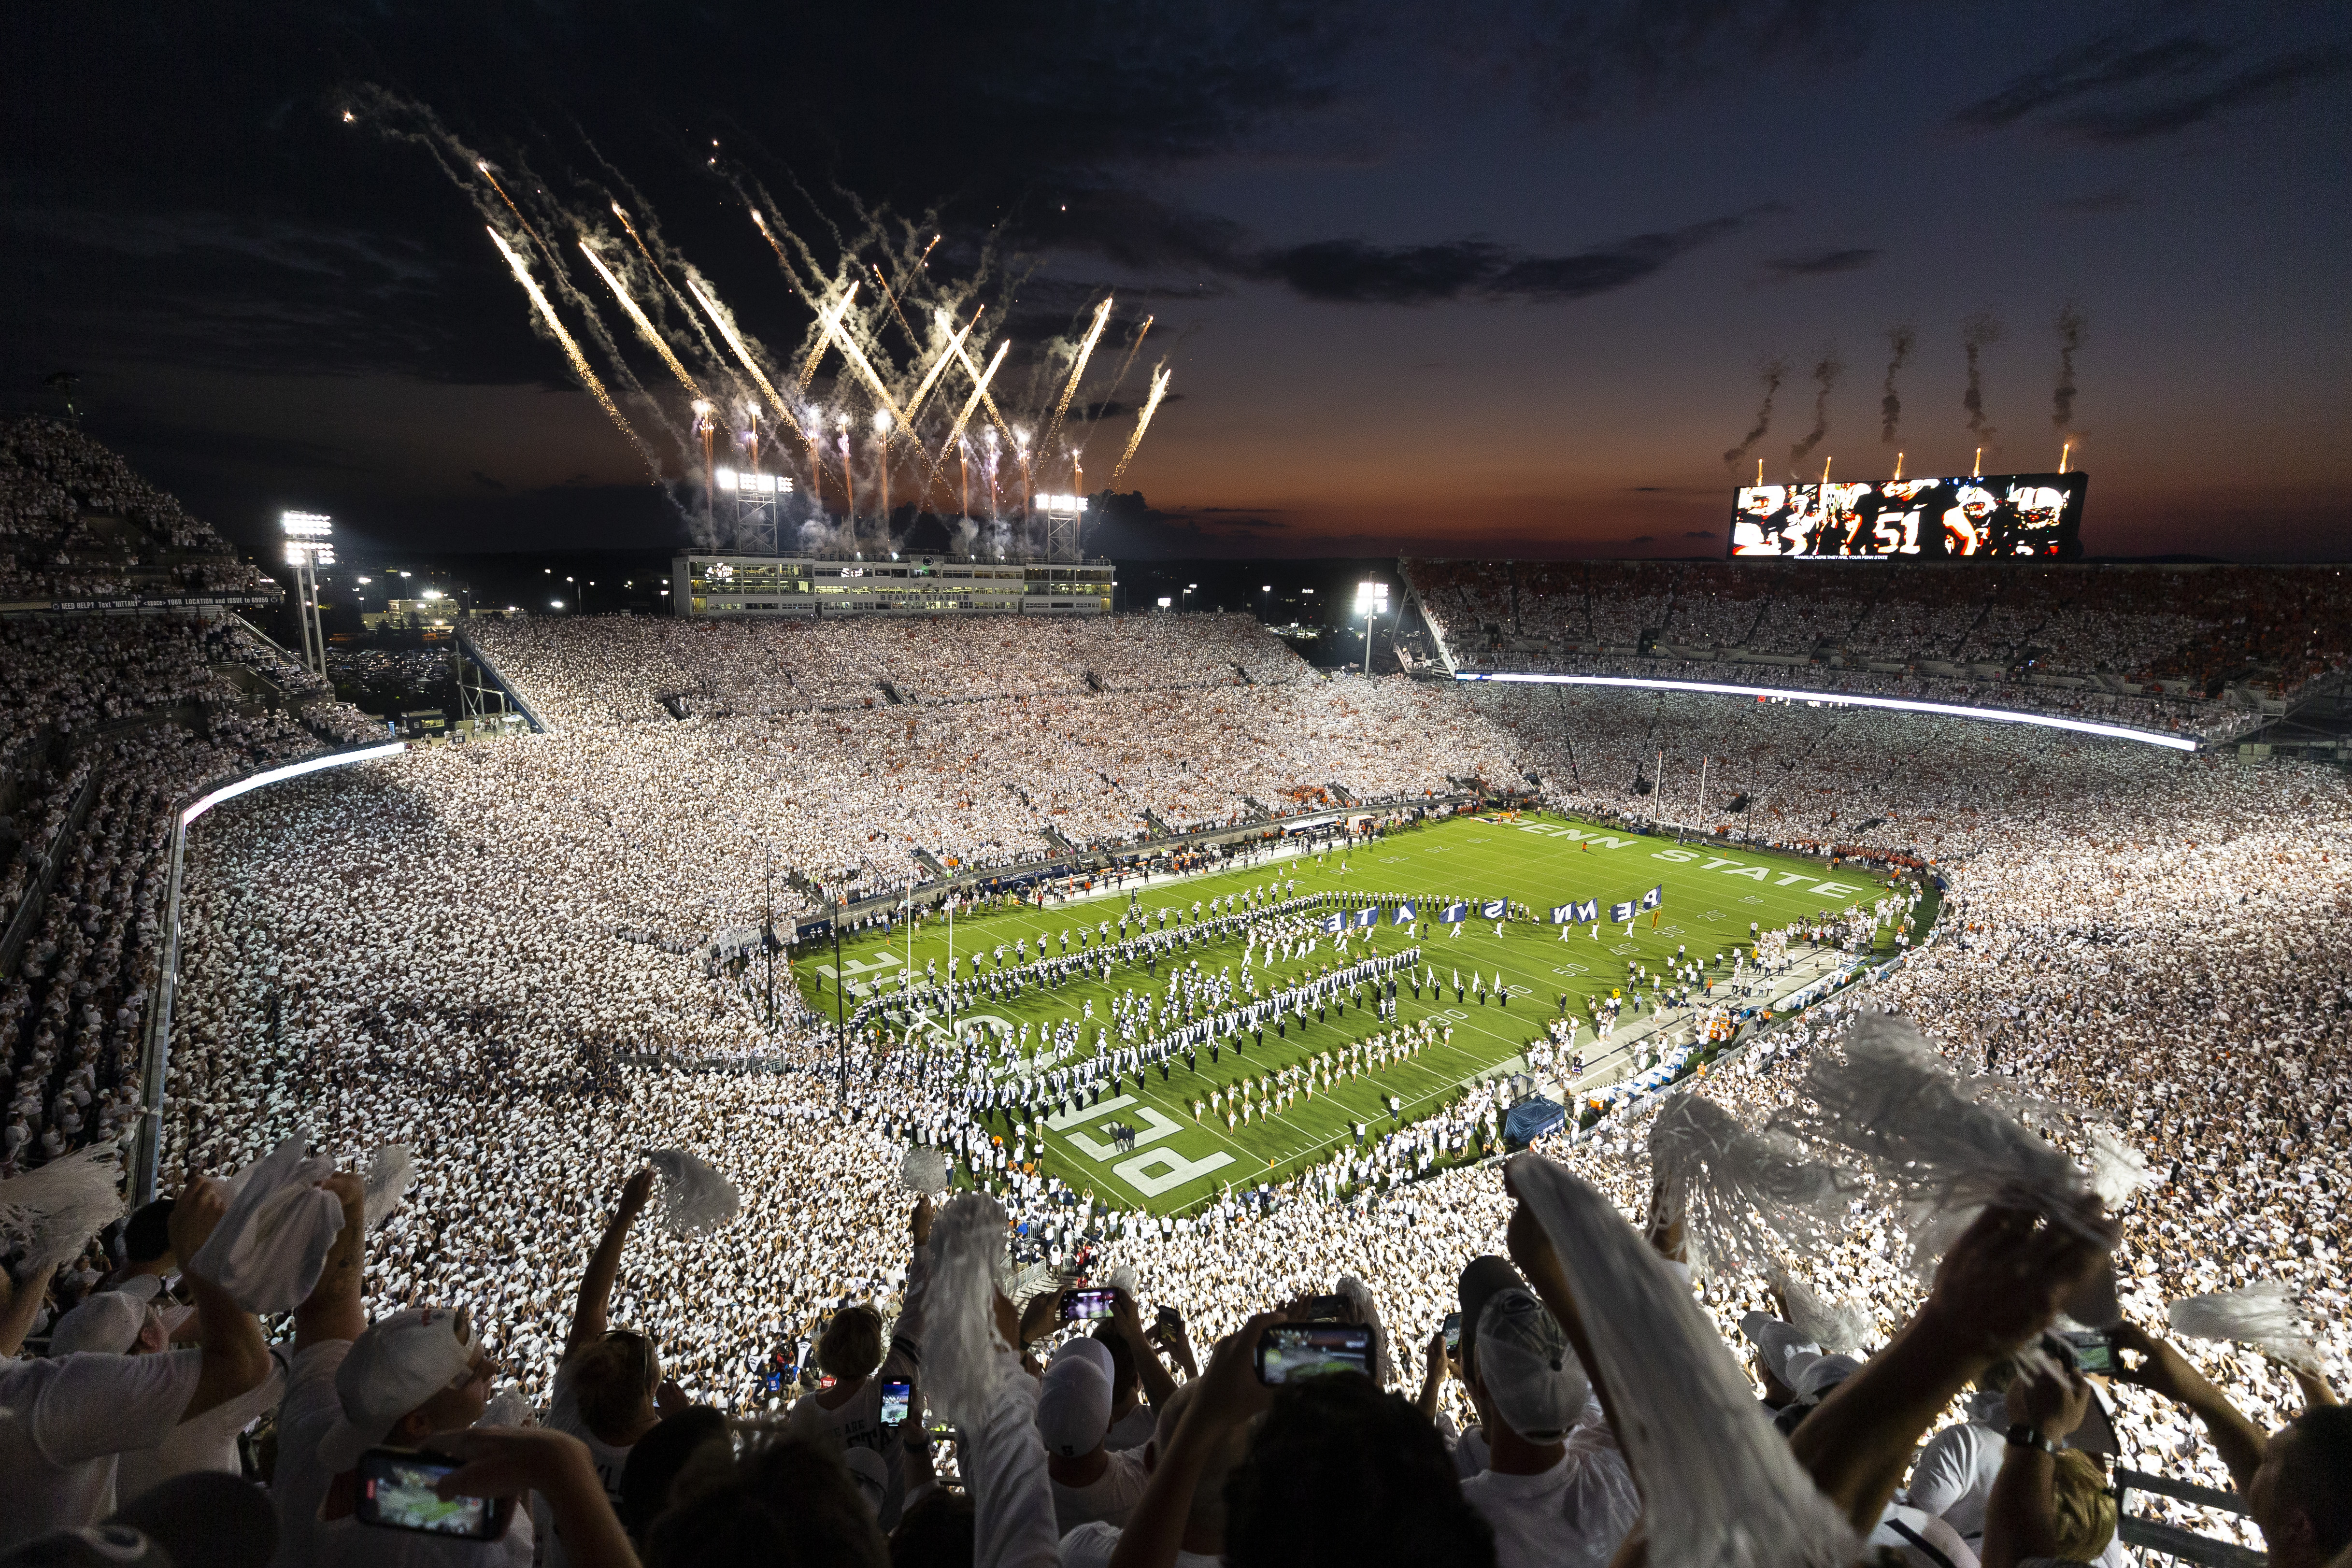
<point>487,967</point>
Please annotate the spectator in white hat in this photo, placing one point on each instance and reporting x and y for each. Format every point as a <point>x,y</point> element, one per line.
<point>1556,1488</point>
<point>356,1386</point>
<point>1091,1482</point>
<point>111,1386</point>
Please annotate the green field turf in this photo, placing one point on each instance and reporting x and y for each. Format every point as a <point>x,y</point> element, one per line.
<point>1709,900</point>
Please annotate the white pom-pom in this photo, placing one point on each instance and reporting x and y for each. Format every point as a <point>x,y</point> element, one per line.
<point>390,1176</point>
<point>53,1213</point>
<point>963,1354</point>
<point>1835,1326</point>
<point>2263,1315</point>
<point>1122,1278</point>
<point>695,1197</point>
<point>1743,1195</point>
<point>924,1170</point>
<point>1925,1133</point>
<point>2117,1170</point>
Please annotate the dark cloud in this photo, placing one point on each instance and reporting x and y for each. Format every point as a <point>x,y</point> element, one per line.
<point>2114,60</point>
<point>2097,202</point>
<point>2269,82</point>
<point>1581,60</point>
<point>485,480</point>
<point>1698,533</point>
<point>1354,272</point>
<point>1820,263</point>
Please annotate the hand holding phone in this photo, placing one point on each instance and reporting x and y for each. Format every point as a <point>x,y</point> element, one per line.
<point>1088,1306</point>
<point>1288,1351</point>
<point>1453,1333</point>
<point>397,1491</point>
<point>1322,1309</point>
<point>2094,1350</point>
<point>896,1397</point>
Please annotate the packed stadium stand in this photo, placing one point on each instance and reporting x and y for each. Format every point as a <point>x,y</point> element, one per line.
<point>450,1018</point>
<point>2207,651</point>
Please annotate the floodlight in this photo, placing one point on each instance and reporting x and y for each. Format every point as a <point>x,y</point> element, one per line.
<point>306,524</point>
<point>432,592</point>
<point>724,477</point>
<point>1163,603</point>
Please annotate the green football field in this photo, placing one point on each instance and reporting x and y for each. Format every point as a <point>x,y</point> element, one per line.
<point>1710,898</point>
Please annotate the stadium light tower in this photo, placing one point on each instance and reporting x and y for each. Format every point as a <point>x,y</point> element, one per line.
<point>307,550</point>
<point>1372,602</point>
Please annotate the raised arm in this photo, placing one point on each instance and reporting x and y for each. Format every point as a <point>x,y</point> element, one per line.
<point>2020,1518</point>
<point>334,1308</point>
<point>2164,1370</point>
<point>19,1303</point>
<point>1159,1385</point>
<point>1997,1288</point>
<point>604,1266</point>
<point>228,1340</point>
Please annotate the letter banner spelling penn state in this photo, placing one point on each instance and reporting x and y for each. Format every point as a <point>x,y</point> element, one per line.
<point>1403,915</point>
<point>1455,914</point>
<point>1621,911</point>
<point>1588,911</point>
<point>1655,897</point>
<point>1492,910</point>
<point>1331,923</point>
<point>1563,914</point>
<point>1365,918</point>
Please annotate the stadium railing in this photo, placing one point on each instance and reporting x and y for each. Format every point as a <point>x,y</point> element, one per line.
<point>2171,1540</point>
<point>489,667</point>
<point>154,1065</point>
<point>36,892</point>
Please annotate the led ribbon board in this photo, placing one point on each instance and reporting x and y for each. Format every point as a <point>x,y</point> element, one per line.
<point>291,770</point>
<point>1851,700</point>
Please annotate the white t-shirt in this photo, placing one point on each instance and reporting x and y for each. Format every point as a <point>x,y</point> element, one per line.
<point>1132,1430</point>
<point>1109,1499</point>
<point>1090,1546</point>
<point>299,1486</point>
<point>564,1416</point>
<point>62,1423</point>
<point>1921,1539</point>
<point>208,1442</point>
<point>1953,1477</point>
<point>1573,1513</point>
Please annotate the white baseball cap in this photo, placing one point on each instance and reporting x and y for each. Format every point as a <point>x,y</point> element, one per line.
<point>391,1369</point>
<point>107,1322</point>
<point>1529,1370</point>
<point>1073,1407</point>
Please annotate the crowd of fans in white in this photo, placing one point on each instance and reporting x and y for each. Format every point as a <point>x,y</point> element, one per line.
<point>76,523</point>
<point>447,951</point>
<point>2176,635</point>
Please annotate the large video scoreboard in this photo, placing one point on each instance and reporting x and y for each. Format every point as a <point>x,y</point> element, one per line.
<point>2008,516</point>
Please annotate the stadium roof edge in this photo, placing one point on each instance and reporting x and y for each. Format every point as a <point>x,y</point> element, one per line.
<point>1847,699</point>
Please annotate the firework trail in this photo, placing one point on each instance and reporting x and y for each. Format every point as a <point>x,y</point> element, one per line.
<point>484,165</point>
<point>981,389</point>
<point>644,326</point>
<point>1128,363</point>
<point>978,393</point>
<point>827,320</point>
<point>571,348</point>
<point>1890,408</point>
<point>900,316</point>
<point>1773,372</point>
<point>1143,420</point>
<point>2070,323</point>
<point>856,356</point>
<point>1077,368</point>
<point>1825,378</point>
<point>1977,333</point>
<point>742,353</point>
<point>955,342</point>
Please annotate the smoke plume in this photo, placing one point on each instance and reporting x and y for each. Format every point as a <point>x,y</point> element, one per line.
<point>1890,408</point>
<point>1773,373</point>
<point>2070,323</point>
<point>1826,371</point>
<point>1976,333</point>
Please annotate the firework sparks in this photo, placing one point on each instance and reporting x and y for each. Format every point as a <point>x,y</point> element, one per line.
<point>1077,368</point>
<point>981,389</point>
<point>644,326</point>
<point>827,318</point>
<point>978,393</point>
<point>955,344</point>
<point>571,348</point>
<point>727,331</point>
<point>483,165</point>
<point>1143,420</point>
<point>1128,363</point>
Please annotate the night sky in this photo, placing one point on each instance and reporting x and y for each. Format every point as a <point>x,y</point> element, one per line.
<point>1457,279</point>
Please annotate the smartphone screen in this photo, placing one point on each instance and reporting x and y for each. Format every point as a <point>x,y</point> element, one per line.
<point>1453,1332</point>
<point>1087,1305</point>
<point>894,1403</point>
<point>2095,1353</point>
<point>395,1492</point>
<point>1287,1352</point>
